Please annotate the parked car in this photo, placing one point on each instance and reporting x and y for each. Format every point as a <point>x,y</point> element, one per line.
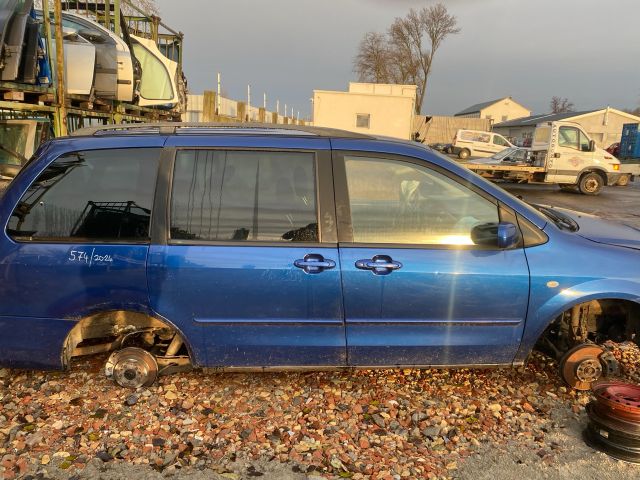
<point>175,246</point>
<point>511,155</point>
<point>476,143</point>
<point>614,149</point>
<point>441,147</point>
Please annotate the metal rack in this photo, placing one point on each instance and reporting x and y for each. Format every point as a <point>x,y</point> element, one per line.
<point>68,112</point>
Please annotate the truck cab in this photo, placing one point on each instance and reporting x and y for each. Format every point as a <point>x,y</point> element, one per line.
<point>572,159</point>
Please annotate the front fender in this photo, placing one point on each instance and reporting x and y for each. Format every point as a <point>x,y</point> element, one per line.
<point>539,317</point>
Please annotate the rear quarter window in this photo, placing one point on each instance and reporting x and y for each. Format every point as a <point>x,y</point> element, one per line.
<point>101,195</point>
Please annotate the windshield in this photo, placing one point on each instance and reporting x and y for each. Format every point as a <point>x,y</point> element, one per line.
<point>504,153</point>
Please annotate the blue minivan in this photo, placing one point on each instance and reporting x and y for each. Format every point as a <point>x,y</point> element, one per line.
<point>259,247</point>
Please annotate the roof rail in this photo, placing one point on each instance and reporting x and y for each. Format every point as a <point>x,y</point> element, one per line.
<point>171,128</point>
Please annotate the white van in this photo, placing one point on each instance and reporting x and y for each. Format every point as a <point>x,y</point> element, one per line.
<point>476,143</point>
<point>561,153</point>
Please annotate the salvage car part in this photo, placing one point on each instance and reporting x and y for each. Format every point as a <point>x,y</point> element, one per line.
<point>132,367</point>
<point>621,400</point>
<point>614,420</point>
<point>581,366</point>
<point>14,40</point>
<point>158,82</point>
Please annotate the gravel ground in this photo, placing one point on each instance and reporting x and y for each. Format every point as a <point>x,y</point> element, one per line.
<point>385,424</point>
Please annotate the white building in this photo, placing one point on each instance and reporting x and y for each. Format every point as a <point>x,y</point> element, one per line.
<point>373,108</point>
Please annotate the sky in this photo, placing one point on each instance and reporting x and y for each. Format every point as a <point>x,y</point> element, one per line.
<point>585,50</point>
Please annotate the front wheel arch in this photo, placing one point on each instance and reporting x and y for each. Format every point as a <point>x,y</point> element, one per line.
<point>556,306</point>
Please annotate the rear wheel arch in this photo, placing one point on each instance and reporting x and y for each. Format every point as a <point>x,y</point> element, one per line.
<point>105,331</point>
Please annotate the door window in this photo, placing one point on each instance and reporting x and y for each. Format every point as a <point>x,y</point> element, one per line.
<point>244,195</point>
<point>399,202</point>
<point>569,137</point>
<point>498,140</point>
<point>584,143</point>
<point>103,195</point>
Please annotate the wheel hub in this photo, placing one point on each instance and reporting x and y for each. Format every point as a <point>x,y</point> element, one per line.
<point>132,367</point>
<point>581,366</point>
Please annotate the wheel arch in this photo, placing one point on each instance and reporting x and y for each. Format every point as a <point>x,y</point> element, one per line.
<point>593,169</point>
<point>115,323</point>
<point>565,300</point>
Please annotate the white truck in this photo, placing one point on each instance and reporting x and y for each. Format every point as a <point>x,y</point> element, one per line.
<point>561,153</point>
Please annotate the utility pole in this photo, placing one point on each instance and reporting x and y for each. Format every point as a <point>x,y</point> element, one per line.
<point>248,102</point>
<point>218,96</point>
<point>60,88</point>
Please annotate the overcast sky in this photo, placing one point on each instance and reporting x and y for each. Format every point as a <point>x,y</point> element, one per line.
<point>586,50</point>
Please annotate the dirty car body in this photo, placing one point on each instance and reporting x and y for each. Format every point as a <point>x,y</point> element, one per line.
<point>258,247</point>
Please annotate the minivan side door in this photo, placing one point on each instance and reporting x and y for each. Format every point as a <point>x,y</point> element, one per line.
<point>250,255</point>
<point>417,290</point>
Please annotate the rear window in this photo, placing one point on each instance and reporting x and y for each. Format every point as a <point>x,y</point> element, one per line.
<point>100,195</point>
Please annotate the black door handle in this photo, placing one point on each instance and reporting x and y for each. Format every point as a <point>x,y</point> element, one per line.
<point>314,263</point>
<point>379,264</point>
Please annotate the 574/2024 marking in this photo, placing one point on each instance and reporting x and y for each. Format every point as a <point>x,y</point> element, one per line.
<point>88,258</point>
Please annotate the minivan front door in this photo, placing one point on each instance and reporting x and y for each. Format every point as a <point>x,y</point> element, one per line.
<point>248,261</point>
<point>417,291</point>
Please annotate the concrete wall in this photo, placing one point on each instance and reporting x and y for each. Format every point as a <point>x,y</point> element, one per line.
<point>202,108</point>
<point>504,110</point>
<point>390,109</point>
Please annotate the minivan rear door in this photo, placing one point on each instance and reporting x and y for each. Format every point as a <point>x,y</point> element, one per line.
<point>249,255</point>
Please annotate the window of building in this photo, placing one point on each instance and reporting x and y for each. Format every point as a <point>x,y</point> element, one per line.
<point>104,195</point>
<point>363,120</point>
<point>505,118</point>
<point>399,202</point>
<point>244,196</point>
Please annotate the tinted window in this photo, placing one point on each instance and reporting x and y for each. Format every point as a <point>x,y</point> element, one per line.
<point>99,194</point>
<point>398,202</point>
<point>235,196</point>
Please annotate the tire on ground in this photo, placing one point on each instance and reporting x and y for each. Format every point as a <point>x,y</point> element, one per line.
<point>463,154</point>
<point>623,181</point>
<point>591,183</point>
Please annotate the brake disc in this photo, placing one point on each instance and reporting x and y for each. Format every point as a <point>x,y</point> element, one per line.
<point>132,367</point>
<point>581,366</point>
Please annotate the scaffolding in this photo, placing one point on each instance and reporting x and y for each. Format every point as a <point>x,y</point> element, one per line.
<point>66,112</point>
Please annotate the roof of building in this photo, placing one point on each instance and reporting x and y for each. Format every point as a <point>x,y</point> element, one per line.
<point>533,120</point>
<point>479,106</point>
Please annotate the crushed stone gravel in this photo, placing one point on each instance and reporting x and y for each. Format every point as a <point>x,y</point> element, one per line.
<point>379,424</point>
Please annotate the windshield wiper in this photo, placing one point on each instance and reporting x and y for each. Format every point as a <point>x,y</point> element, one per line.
<point>561,220</point>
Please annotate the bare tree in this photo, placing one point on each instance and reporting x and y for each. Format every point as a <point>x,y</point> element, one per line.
<point>560,105</point>
<point>372,61</point>
<point>408,49</point>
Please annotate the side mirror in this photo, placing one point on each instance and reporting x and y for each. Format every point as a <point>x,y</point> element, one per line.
<point>501,235</point>
<point>592,145</point>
